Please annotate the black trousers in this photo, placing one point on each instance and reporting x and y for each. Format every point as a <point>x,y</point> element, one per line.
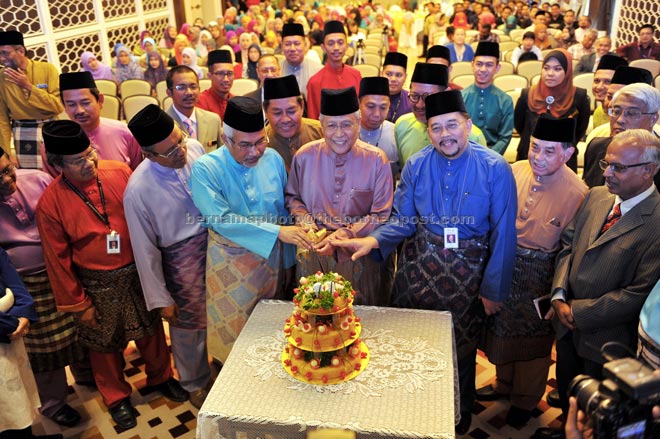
<point>570,365</point>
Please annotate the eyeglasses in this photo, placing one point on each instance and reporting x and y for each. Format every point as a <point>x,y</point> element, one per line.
<point>451,126</point>
<point>7,171</point>
<point>89,157</point>
<point>245,146</point>
<point>630,113</point>
<point>618,167</point>
<point>414,97</point>
<point>221,74</point>
<point>6,53</point>
<point>184,87</point>
<point>176,148</point>
<point>334,127</point>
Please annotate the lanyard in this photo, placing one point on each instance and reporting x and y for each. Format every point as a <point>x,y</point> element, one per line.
<point>101,216</point>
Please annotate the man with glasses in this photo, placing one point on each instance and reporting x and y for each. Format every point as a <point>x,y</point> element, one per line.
<point>268,66</point>
<point>410,129</point>
<point>29,96</point>
<point>90,264</point>
<point>394,69</point>
<point>644,48</point>
<point>83,103</point>
<point>221,72</point>
<point>52,341</point>
<point>239,190</point>
<point>335,74</point>
<point>634,106</point>
<point>295,62</point>
<point>609,261</point>
<point>204,126</point>
<point>489,107</point>
<point>351,196</point>
<point>455,212</point>
<point>287,129</point>
<point>169,246</point>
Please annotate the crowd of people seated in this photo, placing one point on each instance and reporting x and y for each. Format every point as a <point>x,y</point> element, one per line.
<point>414,177</point>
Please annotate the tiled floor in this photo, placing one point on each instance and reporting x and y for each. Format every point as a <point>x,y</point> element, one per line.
<point>159,418</point>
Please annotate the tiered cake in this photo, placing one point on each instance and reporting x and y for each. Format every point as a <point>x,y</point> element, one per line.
<point>323,332</point>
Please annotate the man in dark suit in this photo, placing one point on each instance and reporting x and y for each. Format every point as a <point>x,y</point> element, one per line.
<point>588,63</point>
<point>201,125</point>
<point>267,67</point>
<point>608,263</point>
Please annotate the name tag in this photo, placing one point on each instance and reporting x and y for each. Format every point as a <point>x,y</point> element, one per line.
<point>451,237</point>
<point>42,86</point>
<point>113,243</point>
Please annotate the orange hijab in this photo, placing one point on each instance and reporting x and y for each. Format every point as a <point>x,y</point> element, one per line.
<point>180,43</point>
<point>559,99</point>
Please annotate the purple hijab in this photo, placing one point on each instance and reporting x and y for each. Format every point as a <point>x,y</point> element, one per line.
<point>101,72</point>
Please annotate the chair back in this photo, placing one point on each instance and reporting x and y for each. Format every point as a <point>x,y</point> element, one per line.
<point>463,81</point>
<point>243,86</point>
<point>204,84</point>
<point>111,107</point>
<point>107,87</point>
<point>652,65</point>
<point>530,68</point>
<point>134,87</point>
<point>460,68</point>
<point>167,103</point>
<point>510,82</point>
<point>367,70</point>
<point>133,104</point>
<point>506,68</point>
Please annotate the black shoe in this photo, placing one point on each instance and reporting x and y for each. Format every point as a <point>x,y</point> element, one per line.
<point>66,416</point>
<point>518,417</point>
<point>464,426</point>
<point>553,399</point>
<point>87,383</point>
<point>172,390</point>
<point>124,414</point>
<point>488,393</point>
<point>548,433</point>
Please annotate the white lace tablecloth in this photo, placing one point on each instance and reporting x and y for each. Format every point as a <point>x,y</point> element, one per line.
<point>406,391</point>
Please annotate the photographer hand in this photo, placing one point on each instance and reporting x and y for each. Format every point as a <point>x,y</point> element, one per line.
<point>576,426</point>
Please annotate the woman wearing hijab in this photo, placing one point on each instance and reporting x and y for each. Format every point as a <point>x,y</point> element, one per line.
<point>98,70</point>
<point>139,49</point>
<point>167,42</point>
<point>254,53</point>
<point>555,97</point>
<point>189,59</point>
<point>180,43</point>
<point>156,70</point>
<point>126,67</point>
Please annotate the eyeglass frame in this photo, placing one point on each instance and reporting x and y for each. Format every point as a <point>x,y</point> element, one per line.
<point>180,144</point>
<point>627,110</point>
<point>415,100</point>
<point>618,167</point>
<point>221,75</point>
<point>184,87</point>
<point>89,157</point>
<point>256,145</point>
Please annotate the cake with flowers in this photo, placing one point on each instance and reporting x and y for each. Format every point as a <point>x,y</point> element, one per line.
<point>323,333</point>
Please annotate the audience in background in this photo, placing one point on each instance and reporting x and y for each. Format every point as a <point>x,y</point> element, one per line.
<point>98,70</point>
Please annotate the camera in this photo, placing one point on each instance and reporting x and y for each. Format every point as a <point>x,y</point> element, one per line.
<point>619,406</point>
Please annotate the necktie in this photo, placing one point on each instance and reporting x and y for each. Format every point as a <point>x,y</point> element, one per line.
<point>190,127</point>
<point>612,218</point>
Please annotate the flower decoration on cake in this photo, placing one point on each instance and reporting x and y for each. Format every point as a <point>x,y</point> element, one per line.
<point>323,332</point>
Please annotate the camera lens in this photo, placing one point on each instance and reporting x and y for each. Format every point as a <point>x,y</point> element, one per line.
<point>585,389</point>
